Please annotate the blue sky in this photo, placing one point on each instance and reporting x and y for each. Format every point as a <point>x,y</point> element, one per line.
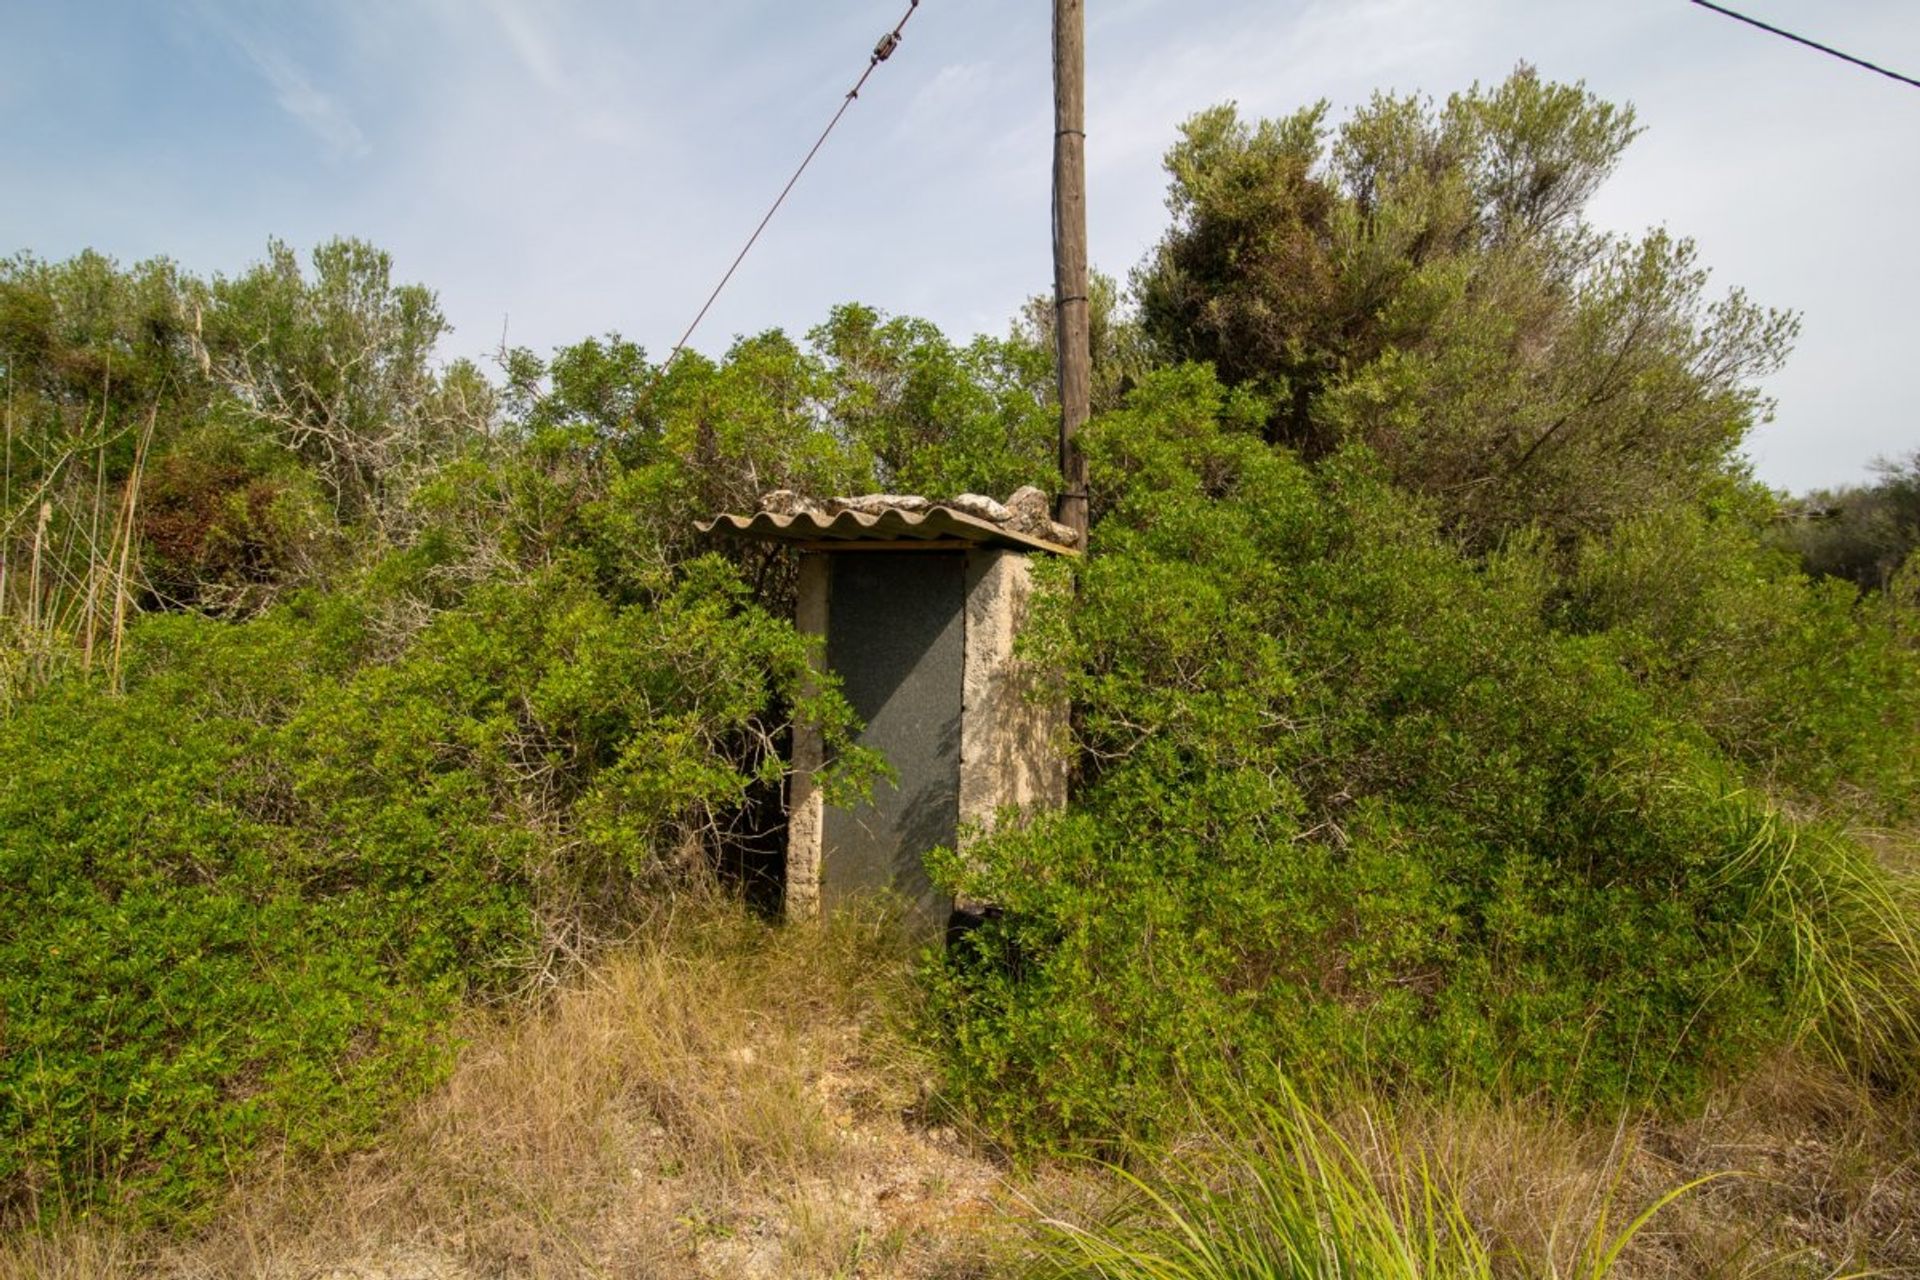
<point>569,167</point>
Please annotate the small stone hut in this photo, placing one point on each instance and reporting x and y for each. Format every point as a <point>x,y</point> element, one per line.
<point>919,603</point>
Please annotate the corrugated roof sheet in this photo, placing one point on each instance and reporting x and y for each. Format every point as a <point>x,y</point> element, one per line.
<point>890,525</point>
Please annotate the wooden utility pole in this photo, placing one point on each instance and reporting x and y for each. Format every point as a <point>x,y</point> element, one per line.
<point>1071,329</point>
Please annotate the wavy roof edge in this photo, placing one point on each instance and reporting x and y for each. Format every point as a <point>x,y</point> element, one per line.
<point>936,522</point>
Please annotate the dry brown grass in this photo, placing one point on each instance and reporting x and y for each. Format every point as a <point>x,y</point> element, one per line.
<point>68,1253</point>
<point>1834,1171</point>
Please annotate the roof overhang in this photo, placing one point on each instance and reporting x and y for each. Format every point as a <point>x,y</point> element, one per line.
<point>936,524</point>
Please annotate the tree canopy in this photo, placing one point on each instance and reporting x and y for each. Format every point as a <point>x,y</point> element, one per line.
<point>1423,280</point>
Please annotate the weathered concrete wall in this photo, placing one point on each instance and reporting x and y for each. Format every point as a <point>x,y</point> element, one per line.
<point>1013,731</point>
<point>806,807</point>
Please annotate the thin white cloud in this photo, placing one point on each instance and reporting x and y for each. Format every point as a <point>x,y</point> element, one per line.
<point>953,94</point>
<point>587,76</point>
<point>530,45</point>
<point>319,112</point>
<point>297,95</point>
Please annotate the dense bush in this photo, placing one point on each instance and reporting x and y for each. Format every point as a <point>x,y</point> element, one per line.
<point>226,523</point>
<point>1863,533</point>
<point>178,992</point>
<point>1353,804</point>
<point>255,886</point>
<point>1810,686</point>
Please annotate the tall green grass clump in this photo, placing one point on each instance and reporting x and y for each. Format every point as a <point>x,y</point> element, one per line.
<point>1280,1196</point>
<point>1275,1192</point>
<point>1850,931</point>
<point>1355,805</point>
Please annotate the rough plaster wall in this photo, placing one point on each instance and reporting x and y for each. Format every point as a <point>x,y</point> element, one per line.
<point>806,808</point>
<point>1011,743</point>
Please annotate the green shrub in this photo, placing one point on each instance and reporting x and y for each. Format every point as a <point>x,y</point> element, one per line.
<point>1806,683</point>
<point>251,891</point>
<point>1861,533</point>
<point>175,995</point>
<point>1352,807</point>
<point>227,525</point>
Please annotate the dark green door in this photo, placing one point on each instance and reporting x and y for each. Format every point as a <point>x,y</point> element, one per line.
<point>896,635</point>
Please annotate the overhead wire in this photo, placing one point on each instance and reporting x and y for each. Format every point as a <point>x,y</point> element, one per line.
<point>881,52</point>
<point>1811,44</point>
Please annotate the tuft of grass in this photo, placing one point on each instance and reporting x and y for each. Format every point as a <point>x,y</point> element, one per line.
<point>70,1252</point>
<point>1852,923</point>
<point>1279,1193</point>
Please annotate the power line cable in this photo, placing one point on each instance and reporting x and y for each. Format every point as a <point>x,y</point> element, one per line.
<point>1811,44</point>
<point>881,52</point>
